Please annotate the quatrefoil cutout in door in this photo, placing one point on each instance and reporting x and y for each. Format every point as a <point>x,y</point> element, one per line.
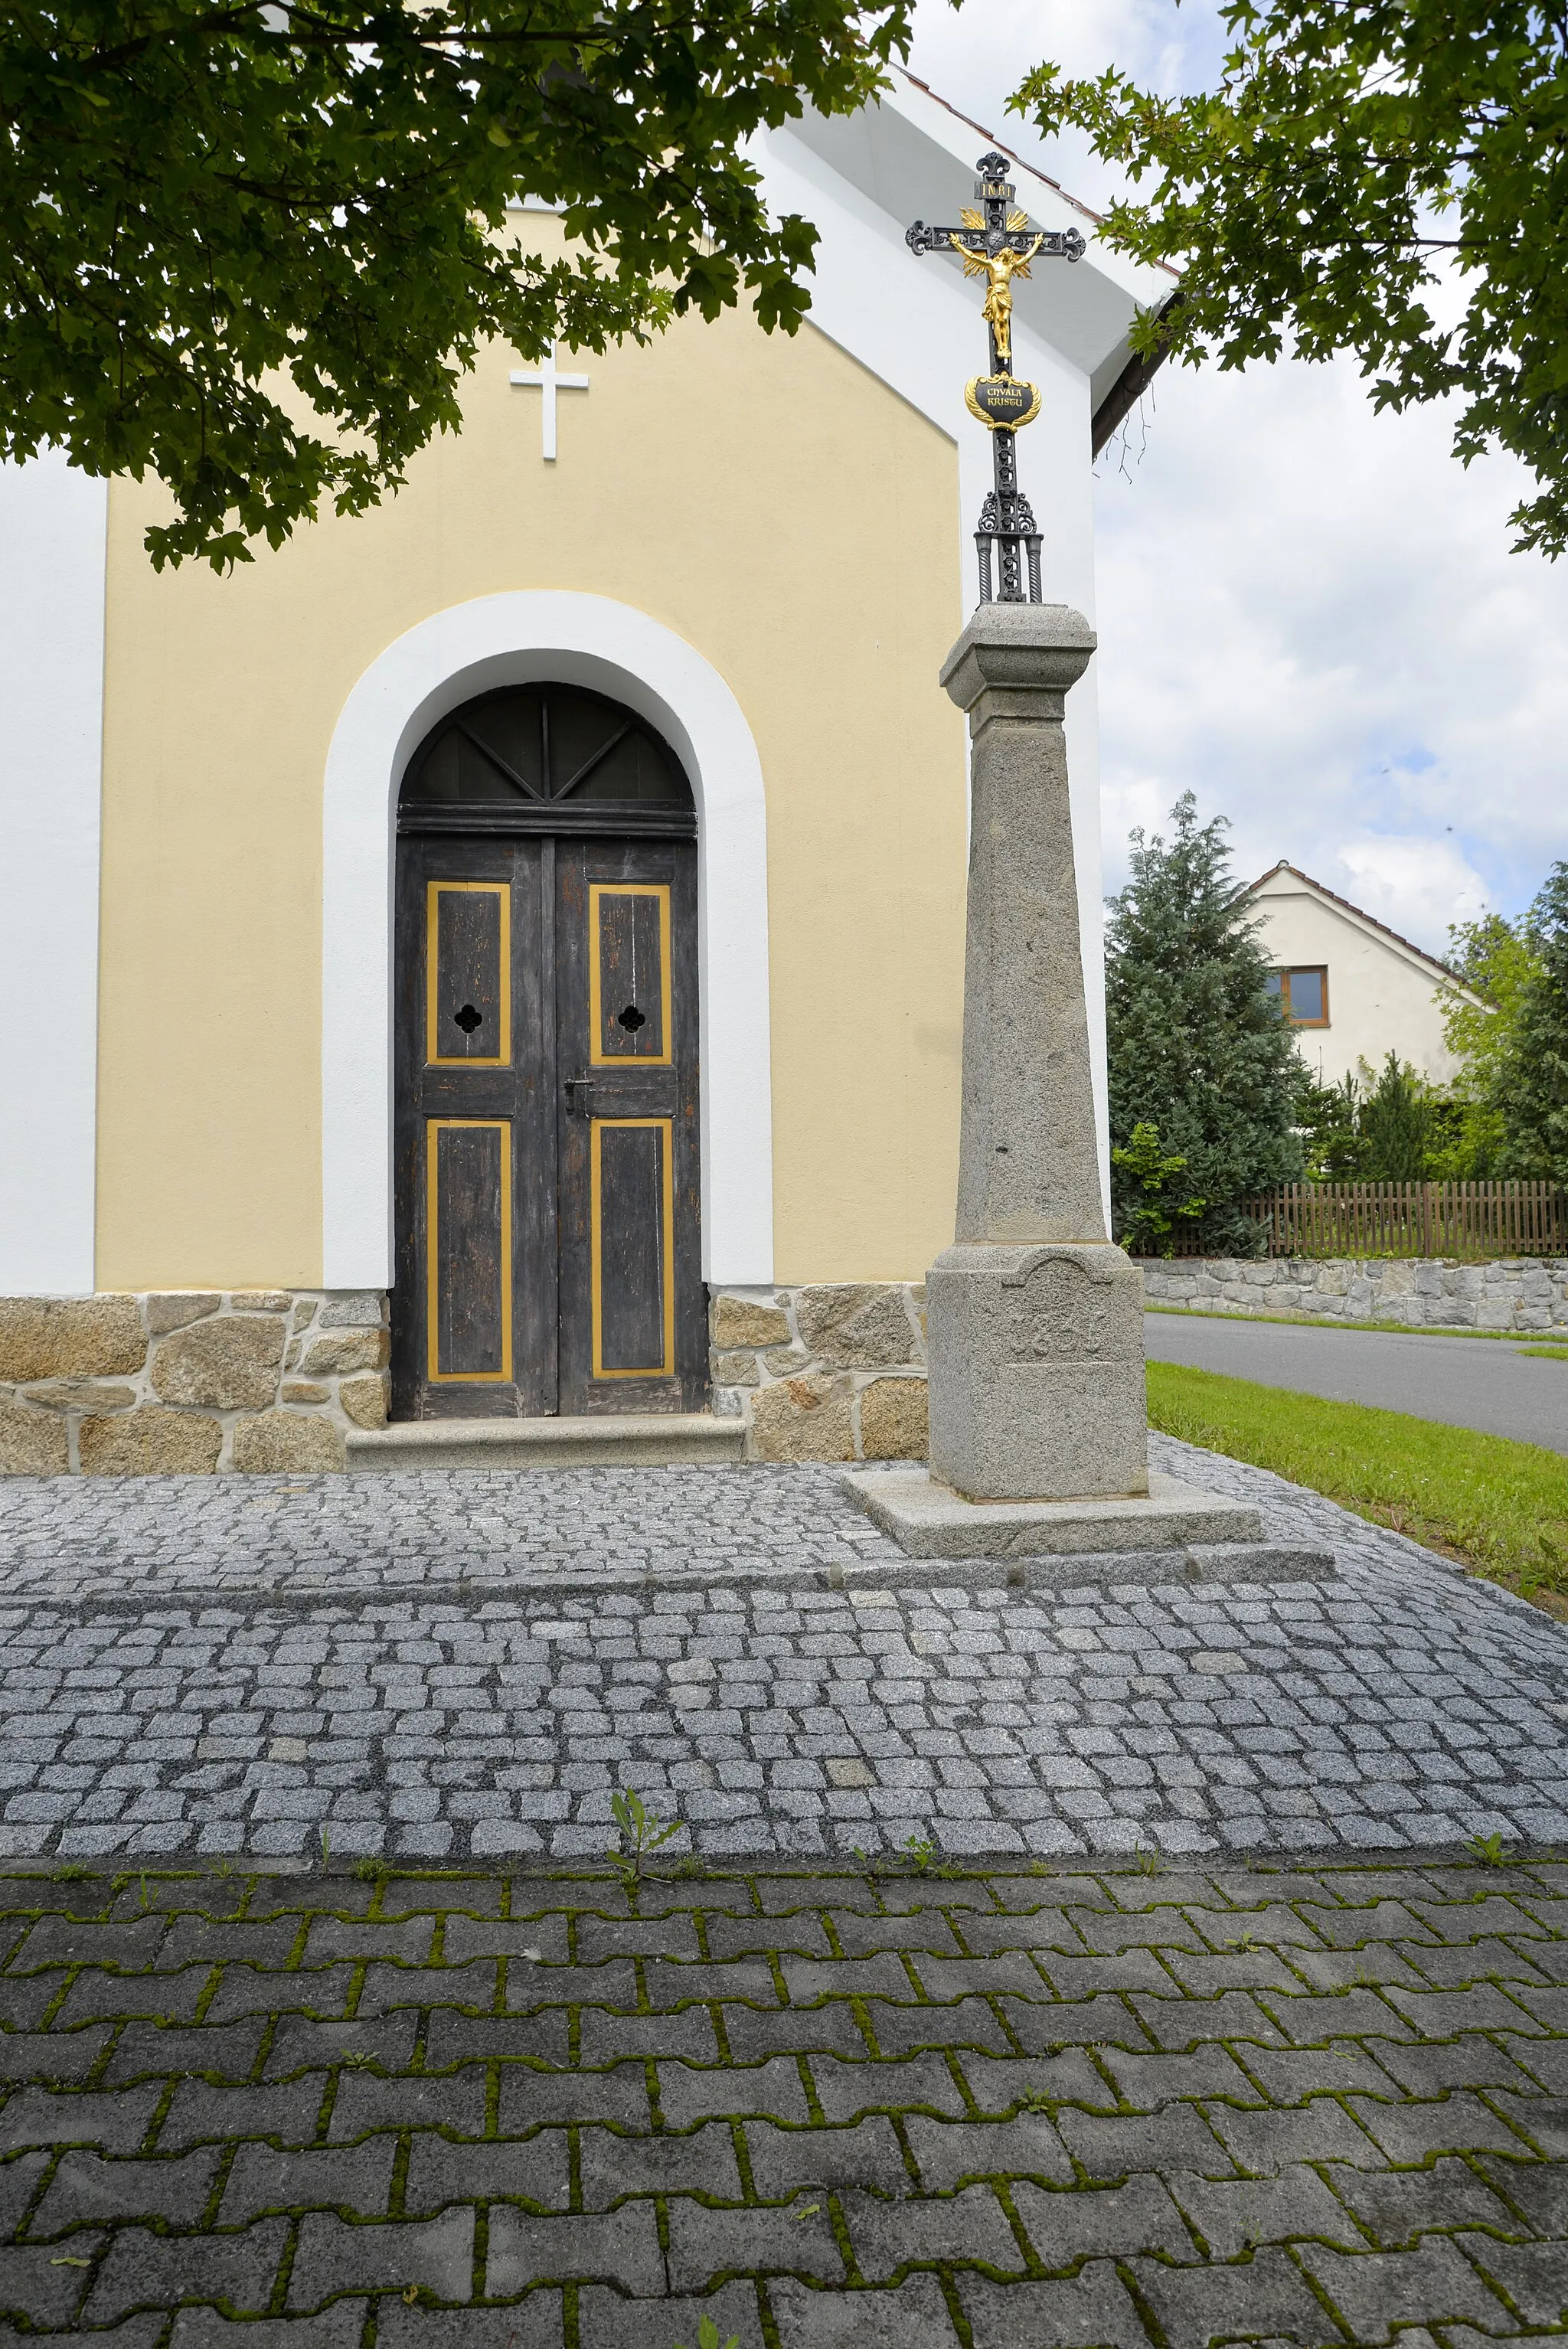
<point>629,972</point>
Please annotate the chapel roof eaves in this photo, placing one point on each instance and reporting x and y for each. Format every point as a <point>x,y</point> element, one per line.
<point>1000,144</point>
<point>1013,156</point>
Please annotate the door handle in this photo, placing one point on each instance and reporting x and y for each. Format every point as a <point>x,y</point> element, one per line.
<point>579,1095</point>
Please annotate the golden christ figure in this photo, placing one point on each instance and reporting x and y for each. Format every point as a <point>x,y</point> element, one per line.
<point>1000,268</point>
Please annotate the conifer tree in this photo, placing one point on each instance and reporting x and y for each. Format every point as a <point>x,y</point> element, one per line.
<point>1396,1123</point>
<point>1535,1109</point>
<point>1197,1046</point>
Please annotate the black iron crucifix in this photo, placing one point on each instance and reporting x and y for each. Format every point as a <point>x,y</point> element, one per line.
<point>998,244</point>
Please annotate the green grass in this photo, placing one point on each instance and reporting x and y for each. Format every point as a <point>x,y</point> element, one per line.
<point>1547,1353</point>
<point>1502,1507</point>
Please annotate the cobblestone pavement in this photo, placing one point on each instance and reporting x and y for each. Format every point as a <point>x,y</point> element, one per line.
<point>499,1653</point>
<point>1057,2107</point>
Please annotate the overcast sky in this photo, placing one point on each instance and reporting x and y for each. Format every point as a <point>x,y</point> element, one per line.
<point>1308,614</point>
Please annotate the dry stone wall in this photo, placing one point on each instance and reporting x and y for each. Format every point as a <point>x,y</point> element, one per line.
<point>834,1371</point>
<point>1525,1293</point>
<point>188,1382</point>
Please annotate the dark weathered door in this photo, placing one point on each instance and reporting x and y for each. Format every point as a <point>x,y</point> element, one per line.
<point>549,1242</point>
<point>625,989</point>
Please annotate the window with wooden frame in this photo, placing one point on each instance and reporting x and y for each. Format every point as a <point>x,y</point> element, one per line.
<point>1303,994</point>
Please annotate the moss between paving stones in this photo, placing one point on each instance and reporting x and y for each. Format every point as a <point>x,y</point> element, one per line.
<point>1153,2108</point>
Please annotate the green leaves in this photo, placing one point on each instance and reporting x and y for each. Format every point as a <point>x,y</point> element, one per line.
<point>1147,1229</point>
<point>708,2331</point>
<point>641,1832</point>
<point>1535,1107</point>
<point>257,262</point>
<point>1512,1090</point>
<point>1358,165</point>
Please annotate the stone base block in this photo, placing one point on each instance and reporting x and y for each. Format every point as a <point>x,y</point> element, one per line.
<point>1037,1371</point>
<point>1172,1526</point>
<point>1174,1534</point>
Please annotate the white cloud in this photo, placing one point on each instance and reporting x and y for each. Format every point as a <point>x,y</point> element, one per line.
<point>1308,614</point>
<point>1416,885</point>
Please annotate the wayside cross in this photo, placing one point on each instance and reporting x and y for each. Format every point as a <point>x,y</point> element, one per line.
<point>998,244</point>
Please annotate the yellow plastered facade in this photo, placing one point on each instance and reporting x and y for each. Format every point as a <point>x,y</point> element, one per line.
<point>769,500</point>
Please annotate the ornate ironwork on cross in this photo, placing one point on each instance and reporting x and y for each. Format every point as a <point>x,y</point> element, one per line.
<point>998,244</point>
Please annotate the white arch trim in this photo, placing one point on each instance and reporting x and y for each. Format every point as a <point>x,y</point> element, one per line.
<point>512,639</point>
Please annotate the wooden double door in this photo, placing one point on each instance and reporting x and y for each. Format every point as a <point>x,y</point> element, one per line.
<point>548,1244</point>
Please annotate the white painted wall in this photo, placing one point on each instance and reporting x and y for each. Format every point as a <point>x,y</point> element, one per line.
<point>1381,992</point>
<point>52,526</point>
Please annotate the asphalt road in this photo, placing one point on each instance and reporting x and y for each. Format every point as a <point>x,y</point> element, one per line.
<point>1486,1384</point>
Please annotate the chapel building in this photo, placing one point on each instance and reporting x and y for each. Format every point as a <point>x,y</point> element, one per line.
<point>496,963</point>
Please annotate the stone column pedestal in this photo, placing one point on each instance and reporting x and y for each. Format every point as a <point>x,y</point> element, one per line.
<point>1035,1320</point>
<point>1040,1468</point>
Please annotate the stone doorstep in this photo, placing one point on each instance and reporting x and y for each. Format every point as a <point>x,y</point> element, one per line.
<point>1126,1539</point>
<point>636,1440</point>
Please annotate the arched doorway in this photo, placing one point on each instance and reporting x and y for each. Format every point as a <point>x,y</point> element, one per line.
<point>547,1176</point>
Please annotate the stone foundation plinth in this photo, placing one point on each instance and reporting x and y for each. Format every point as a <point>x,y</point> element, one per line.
<point>1522,1293</point>
<point>188,1382</point>
<point>203,1383</point>
<point>835,1372</point>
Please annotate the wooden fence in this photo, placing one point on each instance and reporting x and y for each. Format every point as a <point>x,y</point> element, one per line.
<point>1434,1219</point>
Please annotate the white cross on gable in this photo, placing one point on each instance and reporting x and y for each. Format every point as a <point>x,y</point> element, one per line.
<point>550,381</point>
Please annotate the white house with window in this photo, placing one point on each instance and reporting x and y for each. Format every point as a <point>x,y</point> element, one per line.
<point>1351,988</point>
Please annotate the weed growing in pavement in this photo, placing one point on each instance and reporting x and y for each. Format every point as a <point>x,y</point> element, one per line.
<point>641,1832</point>
<point>73,1872</point>
<point>919,1856</point>
<point>708,2336</point>
<point>1150,1863</point>
<point>372,1870</point>
<point>1035,2101</point>
<point>1490,1851</point>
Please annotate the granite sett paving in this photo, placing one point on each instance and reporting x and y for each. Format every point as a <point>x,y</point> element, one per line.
<point>1245,2147</point>
<point>453,1666</point>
